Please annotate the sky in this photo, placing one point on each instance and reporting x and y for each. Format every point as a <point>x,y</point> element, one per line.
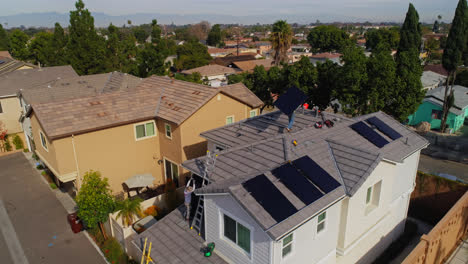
<point>373,10</point>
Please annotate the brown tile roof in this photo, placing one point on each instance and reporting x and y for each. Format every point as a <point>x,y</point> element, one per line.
<point>156,96</point>
<point>211,70</point>
<point>12,82</point>
<point>225,61</point>
<point>326,55</point>
<point>437,68</point>
<point>250,65</point>
<point>243,94</point>
<point>219,50</point>
<point>5,53</point>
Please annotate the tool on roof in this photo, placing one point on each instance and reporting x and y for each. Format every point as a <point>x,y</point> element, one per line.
<point>208,250</point>
<point>146,256</point>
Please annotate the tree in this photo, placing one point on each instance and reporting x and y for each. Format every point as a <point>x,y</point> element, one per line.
<point>431,45</point>
<point>128,210</point>
<point>19,45</point>
<point>86,50</point>
<point>94,200</point>
<point>150,61</point>
<point>194,77</point>
<point>59,44</point>
<point>455,47</point>
<point>327,77</point>
<point>114,48</point>
<point>4,40</point>
<point>301,74</point>
<point>140,34</point>
<point>259,83</point>
<point>376,36</point>
<point>199,31</point>
<point>328,38</point>
<point>214,37</point>
<point>281,37</point>
<point>192,54</point>
<point>41,48</point>
<point>435,27</point>
<point>155,32</point>
<point>410,33</point>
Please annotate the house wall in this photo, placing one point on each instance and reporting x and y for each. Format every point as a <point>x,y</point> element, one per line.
<point>47,156</point>
<point>215,207</point>
<point>170,148</point>
<point>365,231</point>
<point>10,115</point>
<point>424,114</point>
<point>310,247</point>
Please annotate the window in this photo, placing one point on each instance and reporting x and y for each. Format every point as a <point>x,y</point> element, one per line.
<point>373,196</point>
<point>172,171</point>
<point>237,233</point>
<point>1,109</point>
<point>168,131</point>
<point>369,195</point>
<point>43,140</point>
<point>145,130</point>
<point>229,120</point>
<point>253,113</point>
<point>321,219</point>
<point>436,114</point>
<point>287,245</point>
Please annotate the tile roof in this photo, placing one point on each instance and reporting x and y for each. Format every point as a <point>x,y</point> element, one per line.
<point>436,96</point>
<point>257,148</point>
<point>156,96</point>
<point>226,61</point>
<point>326,55</point>
<point>211,70</point>
<point>240,92</point>
<point>174,242</point>
<point>437,68</point>
<point>12,82</point>
<point>5,53</point>
<point>9,64</point>
<point>251,64</point>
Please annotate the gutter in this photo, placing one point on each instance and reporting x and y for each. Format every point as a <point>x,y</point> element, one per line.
<point>7,96</point>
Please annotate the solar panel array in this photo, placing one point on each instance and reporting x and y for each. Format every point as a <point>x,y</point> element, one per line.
<point>289,101</point>
<point>303,177</point>
<point>384,128</point>
<point>369,134</point>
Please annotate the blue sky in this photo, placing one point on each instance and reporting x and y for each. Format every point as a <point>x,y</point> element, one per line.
<point>374,10</point>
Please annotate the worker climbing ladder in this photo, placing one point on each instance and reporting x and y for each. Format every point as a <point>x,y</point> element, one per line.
<point>210,163</point>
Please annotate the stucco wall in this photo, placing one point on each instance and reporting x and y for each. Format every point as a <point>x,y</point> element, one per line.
<point>170,148</point>
<point>424,114</point>
<point>215,206</point>
<point>10,115</point>
<point>47,156</point>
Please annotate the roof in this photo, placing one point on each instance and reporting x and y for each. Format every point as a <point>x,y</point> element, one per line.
<point>5,53</point>
<point>436,96</point>
<point>251,64</point>
<point>220,50</point>
<point>156,96</point>
<point>9,64</point>
<point>174,242</point>
<point>344,154</point>
<point>12,82</point>
<point>325,55</point>
<point>240,92</point>
<point>211,70</point>
<point>81,86</point>
<point>437,68</point>
<point>226,61</point>
<point>430,78</point>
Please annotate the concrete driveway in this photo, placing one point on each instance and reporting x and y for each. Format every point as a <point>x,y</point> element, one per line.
<point>33,223</point>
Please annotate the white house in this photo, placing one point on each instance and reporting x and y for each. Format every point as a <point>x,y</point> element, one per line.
<point>215,74</point>
<point>336,194</point>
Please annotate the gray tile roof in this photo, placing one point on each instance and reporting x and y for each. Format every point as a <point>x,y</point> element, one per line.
<point>174,242</point>
<point>12,82</point>
<point>340,151</point>
<point>436,96</point>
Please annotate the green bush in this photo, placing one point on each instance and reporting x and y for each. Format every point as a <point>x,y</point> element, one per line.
<point>43,173</point>
<point>26,150</point>
<point>7,146</point>
<point>18,142</point>
<point>34,156</point>
<point>39,167</point>
<point>113,251</point>
<point>53,186</point>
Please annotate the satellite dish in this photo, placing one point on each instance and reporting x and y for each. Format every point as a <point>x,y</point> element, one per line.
<point>291,100</point>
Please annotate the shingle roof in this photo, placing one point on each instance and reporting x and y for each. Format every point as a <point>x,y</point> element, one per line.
<point>340,151</point>
<point>81,86</point>
<point>12,82</point>
<point>436,96</point>
<point>155,96</point>
<point>240,92</point>
<point>251,64</point>
<point>211,70</point>
<point>174,242</point>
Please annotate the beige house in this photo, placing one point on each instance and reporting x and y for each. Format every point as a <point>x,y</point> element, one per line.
<point>215,74</point>
<point>151,129</point>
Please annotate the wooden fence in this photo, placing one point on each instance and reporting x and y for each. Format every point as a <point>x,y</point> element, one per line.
<point>444,238</point>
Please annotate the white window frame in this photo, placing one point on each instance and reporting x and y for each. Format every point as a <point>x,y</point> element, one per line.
<point>144,125</point>
<point>43,138</point>
<point>254,112</point>
<point>374,200</point>
<point>324,221</point>
<point>165,170</point>
<point>369,195</point>
<point>233,120</point>
<point>234,245</point>
<point>292,243</point>
<point>166,125</point>
<point>1,108</point>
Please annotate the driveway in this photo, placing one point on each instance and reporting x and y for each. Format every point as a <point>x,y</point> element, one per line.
<point>34,224</point>
<point>431,165</point>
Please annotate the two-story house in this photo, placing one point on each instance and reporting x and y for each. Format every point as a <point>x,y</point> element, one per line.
<point>150,129</point>
<point>335,194</point>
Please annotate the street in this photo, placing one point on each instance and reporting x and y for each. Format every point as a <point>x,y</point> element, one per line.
<point>434,166</point>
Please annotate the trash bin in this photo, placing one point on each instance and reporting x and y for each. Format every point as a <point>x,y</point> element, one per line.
<point>75,222</point>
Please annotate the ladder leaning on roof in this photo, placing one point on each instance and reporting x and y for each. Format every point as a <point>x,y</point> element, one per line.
<point>210,163</point>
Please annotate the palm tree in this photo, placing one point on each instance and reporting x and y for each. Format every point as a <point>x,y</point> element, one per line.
<point>129,209</point>
<point>281,37</point>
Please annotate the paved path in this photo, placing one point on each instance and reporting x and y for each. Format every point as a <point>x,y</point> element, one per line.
<point>431,165</point>
<point>38,218</point>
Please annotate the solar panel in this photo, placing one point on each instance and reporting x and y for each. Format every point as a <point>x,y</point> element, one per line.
<point>297,183</point>
<point>368,133</point>
<point>384,128</point>
<point>289,101</point>
<point>316,174</point>
<point>2,61</point>
<point>271,199</point>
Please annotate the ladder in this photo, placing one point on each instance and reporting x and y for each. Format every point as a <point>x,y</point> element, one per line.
<point>210,163</point>
<point>146,253</point>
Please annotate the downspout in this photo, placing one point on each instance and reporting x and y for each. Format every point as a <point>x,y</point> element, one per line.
<point>78,183</point>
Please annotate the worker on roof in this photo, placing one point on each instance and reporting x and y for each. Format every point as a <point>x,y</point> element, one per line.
<point>188,197</point>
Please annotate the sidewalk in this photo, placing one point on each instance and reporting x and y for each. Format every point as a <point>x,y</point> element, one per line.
<point>460,256</point>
